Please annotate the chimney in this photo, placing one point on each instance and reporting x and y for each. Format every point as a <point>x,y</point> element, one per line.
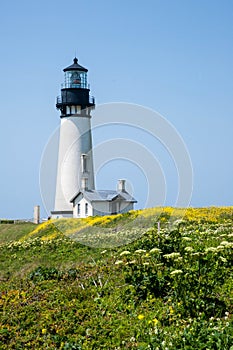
<point>121,186</point>
<point>84,184</point>
<point>36,218</point>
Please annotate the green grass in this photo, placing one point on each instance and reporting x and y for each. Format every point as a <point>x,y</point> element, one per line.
<point>11,232</point>
<point>171,289</point>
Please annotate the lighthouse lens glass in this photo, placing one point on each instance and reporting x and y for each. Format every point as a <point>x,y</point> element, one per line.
<point>75,79</point>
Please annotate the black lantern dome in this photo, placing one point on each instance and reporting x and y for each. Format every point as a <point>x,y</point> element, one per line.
<point>75,90</point>
<point>75,66</point>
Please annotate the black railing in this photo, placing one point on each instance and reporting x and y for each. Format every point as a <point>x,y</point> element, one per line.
<point>92,100</point>
<point>59,100</point>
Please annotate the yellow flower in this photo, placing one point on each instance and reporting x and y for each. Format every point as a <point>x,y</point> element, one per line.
<point>44,331</point>
<point>155,321</point>
<point>172,311</point>
<point>140,317</point>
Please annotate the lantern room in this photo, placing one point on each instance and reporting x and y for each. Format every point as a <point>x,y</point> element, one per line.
<point>75,90</point>
<point>75,76</point>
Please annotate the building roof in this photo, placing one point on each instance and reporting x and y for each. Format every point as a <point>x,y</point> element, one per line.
<point>105,195</point>
<point>75,66</point>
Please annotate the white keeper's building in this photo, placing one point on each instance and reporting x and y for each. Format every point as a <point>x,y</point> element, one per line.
<point>104,202</point>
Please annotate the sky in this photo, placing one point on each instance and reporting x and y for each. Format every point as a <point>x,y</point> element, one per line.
<point>172,56</point>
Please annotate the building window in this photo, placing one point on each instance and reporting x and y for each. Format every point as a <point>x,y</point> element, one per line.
<point>114,208</point>
<point>78,208</point>
<point>86,209</point>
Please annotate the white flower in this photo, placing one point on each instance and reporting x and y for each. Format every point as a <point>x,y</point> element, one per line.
<point>155,250</point>
<point>186,238</point>
<point>226,244</point>
<point>131,262</point>
<point>125,252</point>
<point>210,249</point>
<point>223,259</point>
<point>176,272</point>
<point>140,251</point>
<point>188,249</point>
<point>118,262</point>
<point>171,255</point>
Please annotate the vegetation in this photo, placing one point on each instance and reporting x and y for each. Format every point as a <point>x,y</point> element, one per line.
<point>121,282</point>
<point>11,231</point>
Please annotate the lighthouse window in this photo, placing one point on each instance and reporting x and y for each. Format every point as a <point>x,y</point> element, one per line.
<point>78,208</point>
<point>84,163</point>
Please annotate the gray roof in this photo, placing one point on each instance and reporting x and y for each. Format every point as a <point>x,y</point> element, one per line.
<point>105,195</point>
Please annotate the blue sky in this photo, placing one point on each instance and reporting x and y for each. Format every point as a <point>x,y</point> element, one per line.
<point>172,56</point>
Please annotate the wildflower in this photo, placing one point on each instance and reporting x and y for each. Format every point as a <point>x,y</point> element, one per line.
<point>44,331</point>
<point>125,252</point>
<point>132,339</point>
<point>178,222</point>
<point>210,249</point>
<point>118,262</point>
<point>140,317</point>
<point>171,255</point>
<point>139,251</point>
<point>176,272</point>
<point>131,262</point>
<point>172,311</point>
<point>155,250</point>
<point>159,264</point>
<point>103,252</point>
<point>155,321</point>
<point>223,259</point>
<point>186,238</point>
<point>226,244</point>
<point>188,249</point>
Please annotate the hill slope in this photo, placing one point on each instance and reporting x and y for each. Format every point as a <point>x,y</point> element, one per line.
<point>12,232</point>
<point>170,288</point>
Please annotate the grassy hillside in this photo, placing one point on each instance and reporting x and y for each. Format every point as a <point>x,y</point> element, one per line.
<point>12,232</point>
<point>119,282</point>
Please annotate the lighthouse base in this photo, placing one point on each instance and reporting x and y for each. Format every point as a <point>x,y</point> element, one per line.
<point>59,214</point>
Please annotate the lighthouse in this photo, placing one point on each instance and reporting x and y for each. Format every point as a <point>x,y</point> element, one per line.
<point>75,159</point>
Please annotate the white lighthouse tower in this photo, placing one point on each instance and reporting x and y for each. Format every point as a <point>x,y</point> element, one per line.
<point>75,160</point>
